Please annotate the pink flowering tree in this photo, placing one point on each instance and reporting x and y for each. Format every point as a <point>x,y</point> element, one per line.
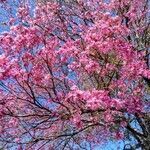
<point>74,73</point>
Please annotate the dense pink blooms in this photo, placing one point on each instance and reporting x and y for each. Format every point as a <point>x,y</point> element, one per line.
<point>72,69</point>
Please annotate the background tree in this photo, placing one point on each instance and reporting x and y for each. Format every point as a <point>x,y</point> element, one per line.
<point>74,73</point>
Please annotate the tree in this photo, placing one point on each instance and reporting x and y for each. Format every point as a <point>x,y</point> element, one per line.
<point>75,73</point>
